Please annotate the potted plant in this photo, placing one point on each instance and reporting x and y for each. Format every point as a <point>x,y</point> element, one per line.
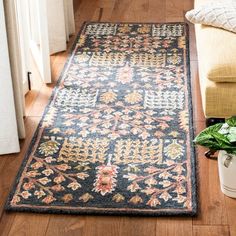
<point>222,137</point>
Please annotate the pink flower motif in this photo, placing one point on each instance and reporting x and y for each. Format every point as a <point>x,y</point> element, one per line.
<point>106,179</point>
<point>125,74</point>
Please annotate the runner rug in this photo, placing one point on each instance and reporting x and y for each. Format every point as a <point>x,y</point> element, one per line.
<point>116,137</point>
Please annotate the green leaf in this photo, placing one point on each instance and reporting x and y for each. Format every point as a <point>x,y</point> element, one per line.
<point>231,121</point>
<point>215,140</point>
<point>221,139</point>
<point>232,134</point>
<point>208,137</point>
<point>206,134</point>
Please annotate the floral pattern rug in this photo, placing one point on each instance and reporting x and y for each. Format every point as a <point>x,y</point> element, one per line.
<point>116,137</point>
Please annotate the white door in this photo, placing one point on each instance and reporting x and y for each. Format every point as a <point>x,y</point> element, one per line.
<point>9,142</point>
<point>33,27</point>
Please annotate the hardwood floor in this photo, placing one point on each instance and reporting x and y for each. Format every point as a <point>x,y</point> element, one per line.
<point>217,213</point>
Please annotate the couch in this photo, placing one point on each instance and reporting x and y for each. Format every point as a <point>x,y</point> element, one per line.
<point>217,69</point>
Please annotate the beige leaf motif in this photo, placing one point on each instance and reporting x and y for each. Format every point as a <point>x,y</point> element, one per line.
<point>165,175</point>
<point>26,194</point>
<point>133,187</point>
<point>67,198</point>
<point>174,134</point>
<point>44,180</point>
<point>32,174</point>
<point>58,188</point>
<point>86,197</point>
<point>82,175</point>
<point>159,134</point>
<point>180,189</point>
<point>59,179</point>
<point>136,199</point>
<point>15,200</point>
<point>149,191</point>
<point>74,185</point>
<point>166,196</point>
<point>130,177</point>
<point>55,130</point>
<point>70,131</point>
<point>180,199</point>
<point>48,172</point>
<point>28,186</point>
<point>118,198</point>
<point>165,183</point>
<point>153,202</point>
<point>39,194</point>
<point>37,165</point>
<point>144,135</point>
<point>49,159</point>
<point>150,181</point>
<point>48,199</point>
<point>63,167</point>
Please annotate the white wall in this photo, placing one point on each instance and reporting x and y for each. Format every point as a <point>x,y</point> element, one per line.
<point>8,129</point>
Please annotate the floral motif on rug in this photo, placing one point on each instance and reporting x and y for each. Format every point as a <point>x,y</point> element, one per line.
<point>116,135</point>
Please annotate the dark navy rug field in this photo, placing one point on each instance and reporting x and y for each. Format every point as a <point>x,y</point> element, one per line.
<point>116,137</point>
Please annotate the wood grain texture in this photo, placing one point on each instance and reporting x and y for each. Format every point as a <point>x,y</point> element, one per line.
<point>217,213</point>
<point>29,224</point>
<point>66,225</point>
<point>174,227</point>
<point>231,210</point>
<point>211,230</point>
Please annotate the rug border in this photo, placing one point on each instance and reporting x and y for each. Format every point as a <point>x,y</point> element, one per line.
<point>131,212</point>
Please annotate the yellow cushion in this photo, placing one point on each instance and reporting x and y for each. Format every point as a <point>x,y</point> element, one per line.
<point>216,51</point>
<point>218,98</point>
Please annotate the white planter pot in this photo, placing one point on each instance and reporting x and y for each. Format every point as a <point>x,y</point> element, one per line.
<point>227,173</point>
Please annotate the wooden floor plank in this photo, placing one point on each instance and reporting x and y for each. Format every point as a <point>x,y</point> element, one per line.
<point>207,230</point>
<point>11,165</point>
<point>174,10</point>
<point>103,225</point>
<point>212,205</point>
<point>6,222</point>
<point>26,224</point>
<point>8,173</point>
<point>231,212</point>
<point>141,226</point>
<point>174,227</point>
<point>60,225</point>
